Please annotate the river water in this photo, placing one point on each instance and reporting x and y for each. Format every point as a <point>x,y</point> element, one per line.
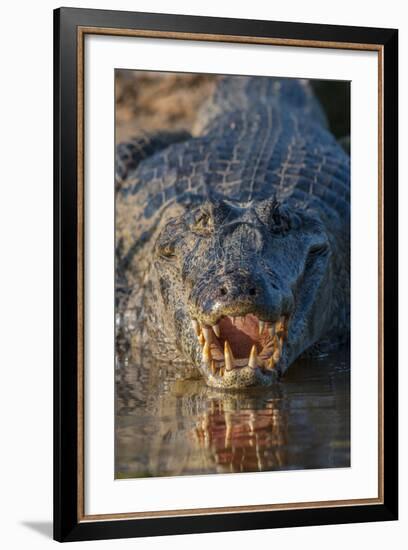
<point>168,425</point>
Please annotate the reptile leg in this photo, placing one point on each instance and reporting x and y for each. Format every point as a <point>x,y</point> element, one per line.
<point>130,153</point>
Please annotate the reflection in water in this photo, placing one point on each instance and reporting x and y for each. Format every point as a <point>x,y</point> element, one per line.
<point>173,424</point>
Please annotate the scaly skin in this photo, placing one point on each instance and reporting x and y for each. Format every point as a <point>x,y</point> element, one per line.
<point>243,227</point>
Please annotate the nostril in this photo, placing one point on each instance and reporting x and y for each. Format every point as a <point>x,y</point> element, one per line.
<point>223,291</point>
<point>252,291</point>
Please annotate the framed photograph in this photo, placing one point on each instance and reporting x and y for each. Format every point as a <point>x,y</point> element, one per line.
<point>225,274</point>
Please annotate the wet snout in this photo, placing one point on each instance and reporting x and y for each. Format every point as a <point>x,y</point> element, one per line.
<point>238,293</point>
<point>241,322</point>
<point>238,287</point>
<point>240,310</point>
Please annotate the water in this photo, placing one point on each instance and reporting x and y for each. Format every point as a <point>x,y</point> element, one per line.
<point>172,424</point>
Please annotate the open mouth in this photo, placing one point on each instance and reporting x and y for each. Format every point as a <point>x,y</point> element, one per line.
<point>241,351</point>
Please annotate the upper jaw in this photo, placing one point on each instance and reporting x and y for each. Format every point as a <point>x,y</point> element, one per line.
<point>250,354</point>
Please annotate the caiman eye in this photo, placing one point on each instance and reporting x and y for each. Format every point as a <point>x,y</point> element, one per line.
<point>166,243</point>
<point>203,223</point>
<point>166,250</point>
<point>317,251</point>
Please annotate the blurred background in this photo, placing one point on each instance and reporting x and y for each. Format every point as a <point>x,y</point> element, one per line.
<point>148,100</point>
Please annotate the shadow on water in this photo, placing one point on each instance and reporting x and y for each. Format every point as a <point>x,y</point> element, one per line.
<point>169,426</point>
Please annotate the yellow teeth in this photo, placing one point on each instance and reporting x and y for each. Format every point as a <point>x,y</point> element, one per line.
<point>216,329</point>
<point>207,353</point>
<point>228,357</point>
<point>277,352</point>
<point>253,358</point>
<point>277,349</point>
<point>271,363</point>
<point>280,326</point>
<point>276,356</point>
<point>196,327</point>
<point>207,334</point>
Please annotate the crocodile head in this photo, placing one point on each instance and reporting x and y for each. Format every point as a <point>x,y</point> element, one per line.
<point>243,287</point>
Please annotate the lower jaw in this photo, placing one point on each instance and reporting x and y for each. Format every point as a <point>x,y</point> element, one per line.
<point>259,366</point>
<point>242,378</point>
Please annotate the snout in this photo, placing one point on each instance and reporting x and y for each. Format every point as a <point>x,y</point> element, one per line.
<point>238,293</point>
<point>241,319</point>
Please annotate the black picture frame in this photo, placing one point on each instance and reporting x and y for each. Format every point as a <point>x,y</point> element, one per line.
<point>68,525</point>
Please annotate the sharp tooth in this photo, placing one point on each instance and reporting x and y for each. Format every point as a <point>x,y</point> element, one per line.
<point>253,358</point>
<point>201,339</point>
<point>207,333</point>
<point>277,349</point>
<point>261,327</point>
<point>222,372</point>
<point>271,363</point>
<point>213,367</point>
<point>216,329</point>
<point>228,357</point>
<point>196,326</point>
<point>280,325</point>
<point>271,330</point>
<point>207,354</point>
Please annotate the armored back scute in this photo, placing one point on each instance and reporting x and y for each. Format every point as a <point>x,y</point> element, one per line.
<point>236,93</point>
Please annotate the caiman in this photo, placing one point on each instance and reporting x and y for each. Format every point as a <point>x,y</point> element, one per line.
<point>232,242</point>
